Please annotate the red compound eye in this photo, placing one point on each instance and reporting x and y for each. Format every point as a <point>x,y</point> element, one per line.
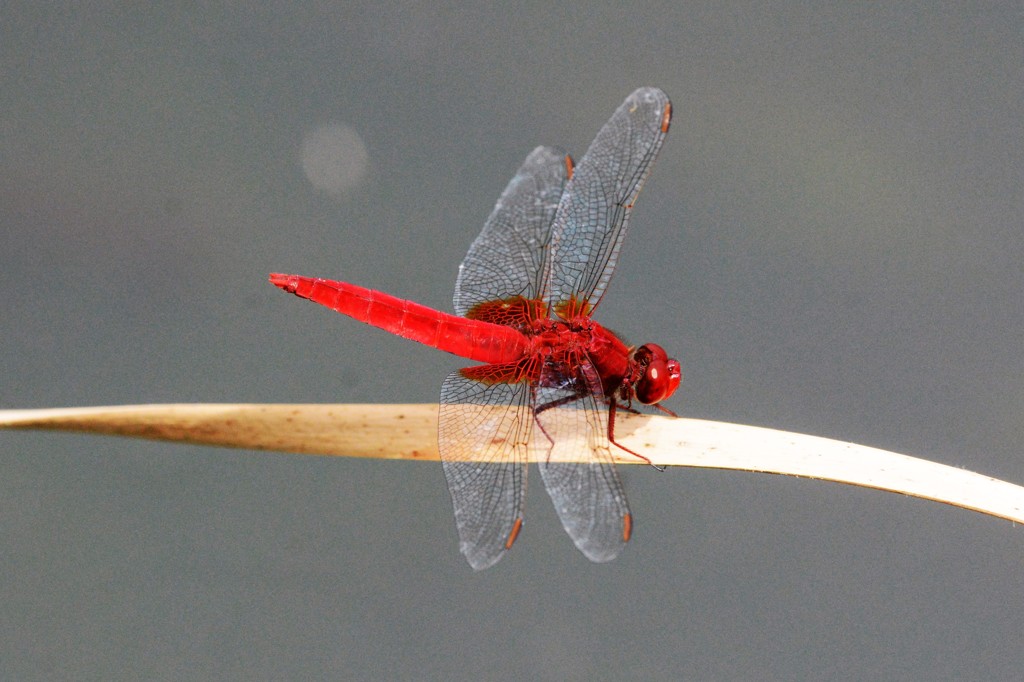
<point>661,375</point>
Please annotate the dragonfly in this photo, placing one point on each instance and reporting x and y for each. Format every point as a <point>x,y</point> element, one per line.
<point>550,378</point>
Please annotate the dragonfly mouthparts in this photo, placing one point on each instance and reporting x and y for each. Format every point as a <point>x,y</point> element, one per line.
<point>287,282</point>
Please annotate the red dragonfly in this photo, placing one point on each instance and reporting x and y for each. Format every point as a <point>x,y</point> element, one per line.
<point>551,376</point>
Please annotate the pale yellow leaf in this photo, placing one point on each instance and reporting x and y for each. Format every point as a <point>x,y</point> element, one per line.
<point>410,432</point>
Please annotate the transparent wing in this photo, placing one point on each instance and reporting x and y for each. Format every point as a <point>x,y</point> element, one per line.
<point>508,258</point>
<point>593,215</point>
<point>588,497</point>
<point>483,434</point>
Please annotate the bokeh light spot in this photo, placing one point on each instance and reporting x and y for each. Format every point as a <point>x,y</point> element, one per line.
<point>334,157</point>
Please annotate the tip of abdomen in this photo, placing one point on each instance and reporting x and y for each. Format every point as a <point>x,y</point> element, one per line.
<point>287,282</point>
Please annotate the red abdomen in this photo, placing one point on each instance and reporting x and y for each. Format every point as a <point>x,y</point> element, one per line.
<point>473,339</point>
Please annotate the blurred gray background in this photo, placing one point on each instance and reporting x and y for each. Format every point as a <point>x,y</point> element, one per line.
<point>831,242</point>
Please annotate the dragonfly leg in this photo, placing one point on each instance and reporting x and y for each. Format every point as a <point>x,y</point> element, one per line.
<point>611,434</point>
<point>665,410</point>
<point>547,406</point>
<point>625,407</point>
<point>613,405</point>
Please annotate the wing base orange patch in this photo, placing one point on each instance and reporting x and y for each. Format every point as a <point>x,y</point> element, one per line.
<point>510,312</point>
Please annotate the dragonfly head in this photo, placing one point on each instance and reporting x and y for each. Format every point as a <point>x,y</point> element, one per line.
<point>660,374</point>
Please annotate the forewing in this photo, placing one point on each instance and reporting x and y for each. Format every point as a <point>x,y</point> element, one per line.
<point>508,258</point>
<point>593,215</point>
<point>588,495</point>
<point>483,434</point>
